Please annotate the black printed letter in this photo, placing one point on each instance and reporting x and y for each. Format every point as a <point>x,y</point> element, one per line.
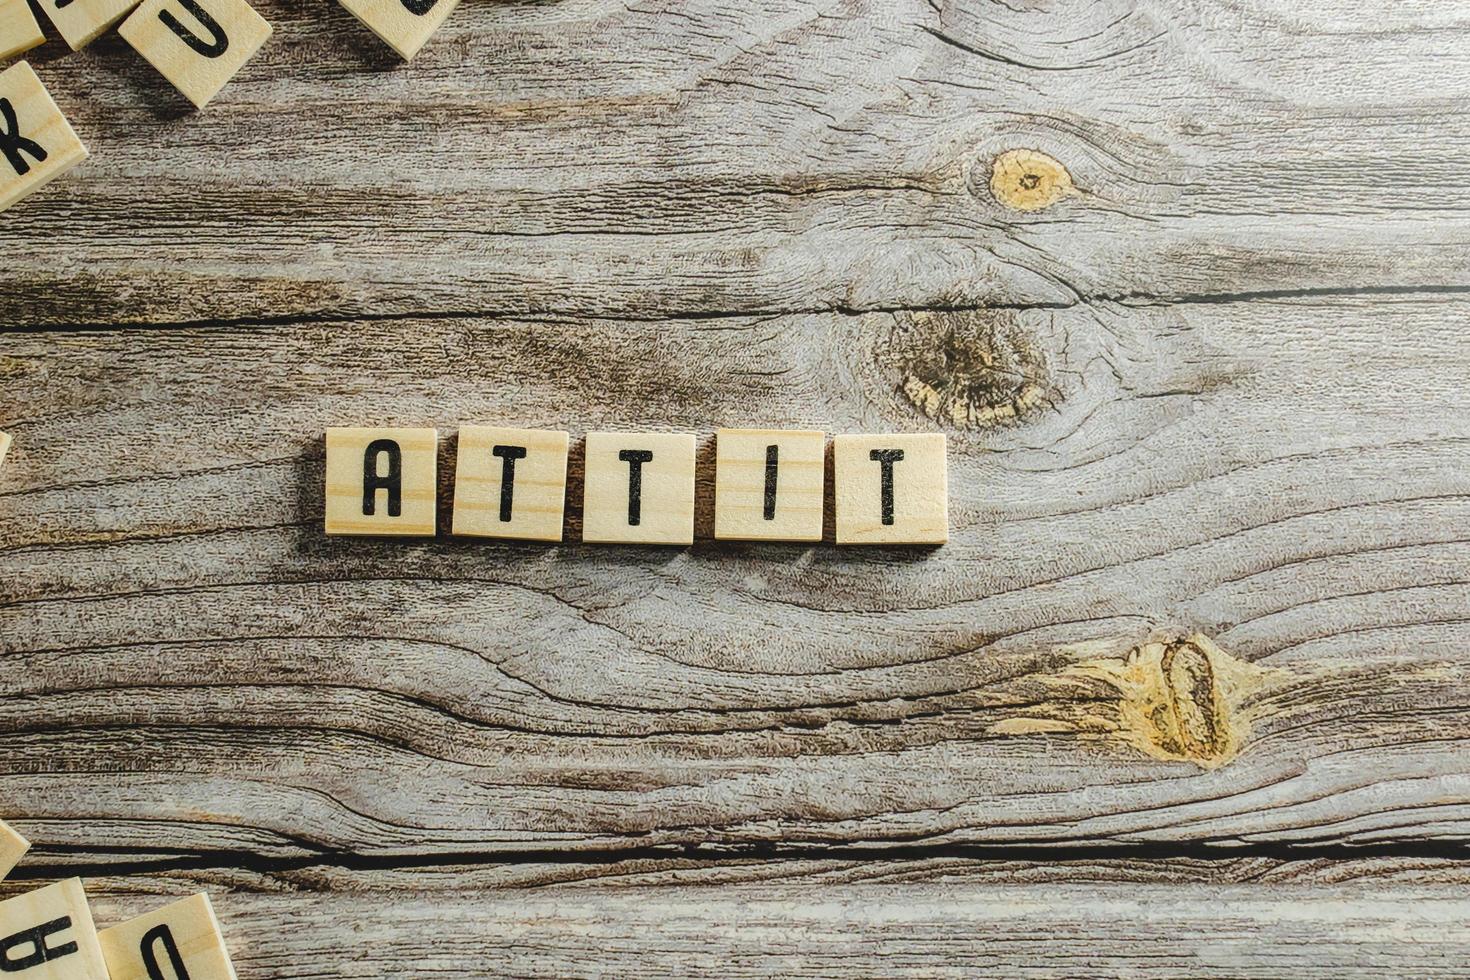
<point>886,458</point>
<point>635,458</point>
<point>150,959</point>
<point>210,49</point>
<point>392,481</point>
<point>36,938</point>
<point>508,455</point>
<point>419,7</point>
<point>772,453</point>
<point>12,143</point>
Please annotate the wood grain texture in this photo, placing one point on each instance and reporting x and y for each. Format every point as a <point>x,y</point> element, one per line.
<point>647,159</point>
<point>909,930</point>
<point>1288,477</point>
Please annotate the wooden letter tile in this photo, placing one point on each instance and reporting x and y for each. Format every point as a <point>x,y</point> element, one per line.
<point>82,21</point>
<point>640,489</point>
<point>198,45</point>
<point>382,481</point>
<point>179,940</point>
<point>404,25</point>
<point>891,489</point>
<point>769,484</point>
<point>38,143</point>
<point>4,445</point>
<point>12,845</point>
<point>18,28</point>
<point>47,934</point>
<point>510,483</point>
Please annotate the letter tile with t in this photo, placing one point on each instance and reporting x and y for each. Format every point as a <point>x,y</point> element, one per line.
<point>18,28</point>
<point>198,45</point>
<point>82,21</point>
<point>178,940</point>
<point>510,483</point>
<point>37,144</point>
<point>891,489</point>
<point>382,481</point>
<point>769,484</point>
<point>48,934</point>
<point>639,489</point>
<point>404,25</point>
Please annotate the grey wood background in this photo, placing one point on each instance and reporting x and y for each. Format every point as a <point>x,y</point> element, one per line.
<point>1186,694</point>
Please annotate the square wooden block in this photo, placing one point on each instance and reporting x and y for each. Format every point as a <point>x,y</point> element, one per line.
<point>891,489</point>
<point>510,483</point>
<point>640,488</point>
<point>4,445</point>
<point>82,21</point>
<point>40,145</point>
<point>382,481</point>
<point>12,845</point>
<point>404,25</point>
<point>197,45</point>
<point>47,934</point>
<point>18,28</point>
<point>178,940</point>
<point>769,484</point>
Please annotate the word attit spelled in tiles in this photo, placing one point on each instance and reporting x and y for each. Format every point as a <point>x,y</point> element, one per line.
<point>12,845</point>
<point>639,489</point>
<point>198,45</point>
<point>37,144</point>
<point>48,934</point>
<point>382,481</point>
<point>510,483</point>
<point>891,489</point>
<point>82,21</point>
<point>404,25</point>
<point>769,484</point>
<point>178,940</point>
<point>19,30</point>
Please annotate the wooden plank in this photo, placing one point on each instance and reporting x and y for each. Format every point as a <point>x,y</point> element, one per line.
<point>929,930</point>
<point>193,666</point>
<point>782,155</point>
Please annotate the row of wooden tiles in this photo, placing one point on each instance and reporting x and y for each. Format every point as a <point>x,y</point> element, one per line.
<point>639,488</point>
<point>198,45</point>
<point>48,934</point>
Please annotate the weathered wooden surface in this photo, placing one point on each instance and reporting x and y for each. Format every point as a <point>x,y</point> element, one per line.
<point>1196,650</point>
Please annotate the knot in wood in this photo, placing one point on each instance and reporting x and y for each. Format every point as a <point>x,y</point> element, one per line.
<point>1029,180</point>
<point>972,369</point>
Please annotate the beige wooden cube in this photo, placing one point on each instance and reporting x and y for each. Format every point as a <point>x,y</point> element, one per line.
<point>178,940</point>
<point>12,845</point>
<point>4,445</point>
<point>404,25</point>
<point>769,484</point>
<point>510,483</point>
<point>891,489</point>
<point>18,28</point>
<point>639,489</point>
<point>82,21</point>
<point>48,934</point>
<point>38,144</point>
<point>198,45</point>
<point>382,481</point>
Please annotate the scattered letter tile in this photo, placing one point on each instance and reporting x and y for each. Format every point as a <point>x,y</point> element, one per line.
<point>198,45</point>
<point>769,484</point>
<point>510,483</point>
<point>382,481</point>
<point>640,488</point>
<point>47,934</point>
<point>890,489</point>
<point>12,845</point>
<point>37,141</point>
<point>82,21</point>
<point>404,25</point>
<point>178,940</point>
<point>4,445</point>
<point>18,28</point>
